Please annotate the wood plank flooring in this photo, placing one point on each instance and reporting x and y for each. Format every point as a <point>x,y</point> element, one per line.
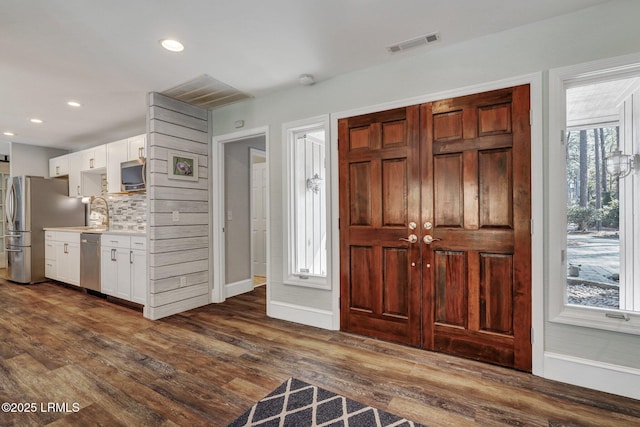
<point>207,366</point>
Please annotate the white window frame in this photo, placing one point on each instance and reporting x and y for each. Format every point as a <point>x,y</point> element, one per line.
<point>289,130</point>
<point>556,262</point>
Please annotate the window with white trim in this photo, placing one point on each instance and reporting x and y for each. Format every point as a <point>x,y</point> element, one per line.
<point>597,216</point>
<point>306,199</point>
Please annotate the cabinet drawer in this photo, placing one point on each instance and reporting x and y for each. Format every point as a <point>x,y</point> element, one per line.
<point>139,242</point>
<point>68,236</point>
<point>49,250</point>
<point>115,241</point>
<point>50,268</point>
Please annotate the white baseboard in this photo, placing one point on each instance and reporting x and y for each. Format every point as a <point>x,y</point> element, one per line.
<point>237,288</point>
<point>300,314</point>
<point>600,376</point>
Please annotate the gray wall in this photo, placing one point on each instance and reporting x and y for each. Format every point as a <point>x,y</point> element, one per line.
<point>178,250</point>
<point>237,191</point>
<point>608,30</point>
<point>31,159</point>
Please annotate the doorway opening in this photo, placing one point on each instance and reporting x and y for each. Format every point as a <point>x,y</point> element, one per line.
<point>240,213</point>
<point>258,203</point>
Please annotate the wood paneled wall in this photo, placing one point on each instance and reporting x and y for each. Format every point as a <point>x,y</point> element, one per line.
<point>178,250</point>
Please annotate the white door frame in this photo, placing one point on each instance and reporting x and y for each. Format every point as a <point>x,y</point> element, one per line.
<point>254,152</point>
<point>217,243</point>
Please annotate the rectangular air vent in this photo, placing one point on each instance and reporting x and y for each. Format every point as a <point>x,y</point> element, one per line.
<point>418,41</point>
<point>205,92</point>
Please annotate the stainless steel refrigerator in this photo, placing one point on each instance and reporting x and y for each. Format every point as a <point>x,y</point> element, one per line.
<point>32,203</point>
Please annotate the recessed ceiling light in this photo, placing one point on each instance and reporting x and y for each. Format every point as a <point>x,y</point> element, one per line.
<point>36,121</point>
<point>172,45</point>
<point>74,104</point>
<point>9,133</point>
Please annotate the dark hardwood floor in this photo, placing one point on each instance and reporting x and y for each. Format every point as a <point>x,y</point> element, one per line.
<point>207,366</point>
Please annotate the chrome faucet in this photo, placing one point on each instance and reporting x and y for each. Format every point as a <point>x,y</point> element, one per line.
<point>105,223</point>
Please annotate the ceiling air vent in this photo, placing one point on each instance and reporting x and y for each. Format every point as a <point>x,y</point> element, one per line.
<point>418,41</point>
<point>205,92</point>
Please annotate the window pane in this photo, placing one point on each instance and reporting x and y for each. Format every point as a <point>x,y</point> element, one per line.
<point>310,203</point>
<point>595,246</point>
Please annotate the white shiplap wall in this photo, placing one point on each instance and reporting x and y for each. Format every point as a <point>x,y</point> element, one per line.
<point>178,250</point>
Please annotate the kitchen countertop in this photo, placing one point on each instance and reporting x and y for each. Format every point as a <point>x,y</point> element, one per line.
<point>95,230</point>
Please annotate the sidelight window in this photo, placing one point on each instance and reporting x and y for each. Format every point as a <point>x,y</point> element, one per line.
<point>306,210</point>
<point>600,211</point>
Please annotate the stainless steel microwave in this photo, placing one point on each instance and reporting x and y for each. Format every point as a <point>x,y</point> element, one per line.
<point>133,175</point>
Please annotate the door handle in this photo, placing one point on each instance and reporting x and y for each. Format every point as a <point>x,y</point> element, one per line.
<point>13,250</point>
<point>411,239</point>
<point>429,239</point>
<point>66,248</point>
<point>90,163</point>
<point>113,255</point>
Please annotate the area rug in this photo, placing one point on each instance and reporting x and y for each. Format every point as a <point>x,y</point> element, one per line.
<point>298,404</point>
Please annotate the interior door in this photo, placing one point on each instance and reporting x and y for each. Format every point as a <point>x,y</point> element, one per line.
<point>379,198</point>
<point>259,218</point>
<point>466,186</point>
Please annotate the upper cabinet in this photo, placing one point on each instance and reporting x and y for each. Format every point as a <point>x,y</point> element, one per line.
<point>137,147</point>
<point>94,158</point>
<point>117,152</point>
<point>85,167</point>
<point>59,166</point>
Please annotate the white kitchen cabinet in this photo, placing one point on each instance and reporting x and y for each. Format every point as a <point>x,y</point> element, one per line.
<point>62,256</point>
<point>124,267</point>
<point>93,158</point>
<point>83,183</point>
<point>137,147</point>
<point>75,175</point>
<point>117,152</point>
<point>59,166</point>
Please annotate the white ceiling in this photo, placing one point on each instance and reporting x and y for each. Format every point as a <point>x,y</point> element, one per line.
<point>106,54</point>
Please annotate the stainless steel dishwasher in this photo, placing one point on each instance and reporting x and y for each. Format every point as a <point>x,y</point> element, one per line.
<point>90,261</point>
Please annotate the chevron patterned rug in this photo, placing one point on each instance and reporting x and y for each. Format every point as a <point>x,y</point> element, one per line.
<point>298,404</point>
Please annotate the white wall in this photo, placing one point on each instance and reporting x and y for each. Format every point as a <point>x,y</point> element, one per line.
<point>31,160</point>
<point>603,31</point>
<point>5,148</point>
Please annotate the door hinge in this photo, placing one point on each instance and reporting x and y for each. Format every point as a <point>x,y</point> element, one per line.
<point>530,117</point>
<point>531,226</point>
<point>532,336</point>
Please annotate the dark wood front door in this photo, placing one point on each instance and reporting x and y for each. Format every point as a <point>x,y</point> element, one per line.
<point>379,196</point>
<point>464,287</point>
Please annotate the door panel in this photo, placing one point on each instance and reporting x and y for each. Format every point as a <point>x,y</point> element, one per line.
<point>476,192</point>
<point>379,182</point>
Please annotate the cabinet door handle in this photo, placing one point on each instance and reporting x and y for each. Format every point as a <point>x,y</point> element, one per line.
<point>57,170</point>
<point>78,190</point>
<point>113,255</point>
<point>90,163</point>
<point>66,248</point>
<point>130,257</point>
<point>140,151</point>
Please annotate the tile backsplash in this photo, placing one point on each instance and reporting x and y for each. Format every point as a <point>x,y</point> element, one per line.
<point>126,211</point>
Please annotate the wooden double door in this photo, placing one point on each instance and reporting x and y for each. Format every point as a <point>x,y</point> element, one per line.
<point>435,239</point>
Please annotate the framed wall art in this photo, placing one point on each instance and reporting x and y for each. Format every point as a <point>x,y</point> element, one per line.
<point>182,166</point>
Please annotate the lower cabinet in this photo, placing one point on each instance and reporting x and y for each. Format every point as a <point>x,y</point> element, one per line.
<point>124,267</point>
<point>62,256</point>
